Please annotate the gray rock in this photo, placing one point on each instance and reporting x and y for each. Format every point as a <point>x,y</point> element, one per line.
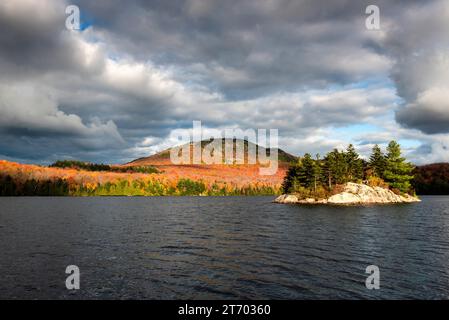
<point>353,193</point>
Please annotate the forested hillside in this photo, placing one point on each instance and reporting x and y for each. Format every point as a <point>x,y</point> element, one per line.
<point>432,179</point>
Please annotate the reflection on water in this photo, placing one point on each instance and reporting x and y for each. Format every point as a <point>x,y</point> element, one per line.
<point>221,247</point>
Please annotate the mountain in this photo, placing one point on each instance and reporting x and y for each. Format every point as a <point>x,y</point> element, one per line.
<point>224,173</point>
<point>163,157</point>
<point>153,175</point>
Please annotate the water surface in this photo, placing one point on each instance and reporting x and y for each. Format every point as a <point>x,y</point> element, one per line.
<point>221,247</point>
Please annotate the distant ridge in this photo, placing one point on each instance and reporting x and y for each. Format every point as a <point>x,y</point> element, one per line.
<point>432,179</point>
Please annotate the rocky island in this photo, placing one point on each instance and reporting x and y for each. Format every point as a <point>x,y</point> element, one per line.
<point>342,177</point>
<point>353,194</point>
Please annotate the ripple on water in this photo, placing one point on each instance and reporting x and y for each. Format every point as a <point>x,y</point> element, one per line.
<point>221,247</point>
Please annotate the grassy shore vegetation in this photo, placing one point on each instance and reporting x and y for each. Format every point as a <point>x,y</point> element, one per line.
<point>184,187</point>
<point>122,187</point>
<point>321,177</point>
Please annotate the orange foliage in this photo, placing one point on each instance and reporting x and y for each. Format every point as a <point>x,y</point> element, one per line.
<point>221,175</point>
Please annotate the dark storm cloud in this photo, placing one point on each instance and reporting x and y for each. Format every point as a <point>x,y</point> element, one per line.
<point>429,113</point>
<point>144,68</point>
<point>248,48</point>
<point>420,46</point>
<point>34,40</point>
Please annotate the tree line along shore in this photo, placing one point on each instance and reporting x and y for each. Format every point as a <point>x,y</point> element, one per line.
<point>307,176</point>
<point>75,178</point>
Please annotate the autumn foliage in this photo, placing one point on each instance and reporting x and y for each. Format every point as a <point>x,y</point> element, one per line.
<point>23,179</point>
<point>432,179</point>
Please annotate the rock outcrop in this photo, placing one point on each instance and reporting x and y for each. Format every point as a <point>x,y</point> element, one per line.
<point>353,193</point>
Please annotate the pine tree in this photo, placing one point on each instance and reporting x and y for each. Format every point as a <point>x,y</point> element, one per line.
<point>397,172</point>
<point>306,174</point>
<point>377,162</point>
<point>328,165</point>
<point>317,172</point>
<point>335,167</point>
<point>354,165</point>
<point>291,179</point>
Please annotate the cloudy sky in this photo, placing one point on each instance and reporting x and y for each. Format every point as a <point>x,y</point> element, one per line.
<point>137,70</point>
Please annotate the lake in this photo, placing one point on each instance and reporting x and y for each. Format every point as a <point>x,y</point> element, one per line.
<point>221,248</point>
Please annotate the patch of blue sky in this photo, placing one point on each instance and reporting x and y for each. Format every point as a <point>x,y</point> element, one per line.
<point>409,143</point>
<point>374,82</point>
<point>86,21</point>
<point>350,132</point>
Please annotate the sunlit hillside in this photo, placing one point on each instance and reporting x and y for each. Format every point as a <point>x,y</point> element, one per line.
<point>167,179</point>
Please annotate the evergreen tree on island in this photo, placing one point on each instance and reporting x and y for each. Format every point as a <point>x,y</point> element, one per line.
<point>334,168</point>
<point>354,165</point>
<point>291,178</point>
<point>306,172</point>
<point>398,172</point>
<point>377,162</point>
<point>317,172</point>
<point>316,178</point>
